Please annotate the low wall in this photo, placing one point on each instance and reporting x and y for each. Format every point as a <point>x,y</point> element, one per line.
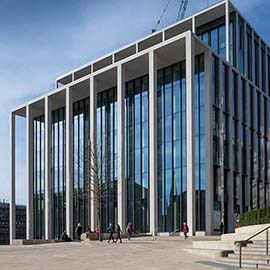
<point>105,236</point>
<point>252,229</point>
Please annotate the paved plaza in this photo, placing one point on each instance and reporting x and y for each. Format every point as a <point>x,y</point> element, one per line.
<point>149,253</point>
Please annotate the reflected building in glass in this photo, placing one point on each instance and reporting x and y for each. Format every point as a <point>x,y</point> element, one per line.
<point>181,119</point>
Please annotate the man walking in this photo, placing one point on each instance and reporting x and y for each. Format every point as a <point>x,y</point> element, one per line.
<point>110,230</point>
<point>119,231</point>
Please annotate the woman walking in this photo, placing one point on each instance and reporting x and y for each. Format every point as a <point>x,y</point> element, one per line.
<point>129,230</point>
<point>185,230</point>
<point>118,231</point>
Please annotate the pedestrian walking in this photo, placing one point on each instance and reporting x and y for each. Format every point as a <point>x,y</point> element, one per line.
<point>79,231</point>
<point>129,230</point>
<point>118,231</point>
<point>97,231</point>
<point>185,230</point>
<point>110,230</point>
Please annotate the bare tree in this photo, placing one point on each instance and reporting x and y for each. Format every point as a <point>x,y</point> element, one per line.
<point>100,187</point>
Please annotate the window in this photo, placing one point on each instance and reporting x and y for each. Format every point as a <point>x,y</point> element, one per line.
<point>171,93</point>
<point>58,173</point>
<point>137,153</point>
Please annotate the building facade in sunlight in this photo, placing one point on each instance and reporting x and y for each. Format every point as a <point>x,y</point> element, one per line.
<point>182,122</point>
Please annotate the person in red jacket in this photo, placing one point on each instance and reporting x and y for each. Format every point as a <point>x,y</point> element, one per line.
<point>185,230</point>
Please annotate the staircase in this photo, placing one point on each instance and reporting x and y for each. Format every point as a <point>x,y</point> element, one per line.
<point>252,252</point>
<point>253,256</point>
<point>246,248</point>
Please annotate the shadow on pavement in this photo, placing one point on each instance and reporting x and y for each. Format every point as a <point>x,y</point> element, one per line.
<point>217,265</point>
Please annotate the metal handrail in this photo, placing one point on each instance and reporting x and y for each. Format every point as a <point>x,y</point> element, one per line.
<point>245,242</point>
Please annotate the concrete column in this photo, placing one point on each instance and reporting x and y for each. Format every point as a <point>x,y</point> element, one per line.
<point>12,201</point>
<point>190,132</point>
<point>69,163</point>
<point>245,49</point>
<point>221,187</point>
<point>266,72</point>
<point>260,64</point>
<point>209,143</point>
<point>247,158</point>
<point>240,142</point>
<point>227,23</point>
<point>236,39</point>
<point>230,199</point>
<point>48,123</point>
<point>153,143</point>
<point>93,125</point>
<point>194,24</point>
<point>122,192</point>
<point>30,182</point>
<point>253,56</point>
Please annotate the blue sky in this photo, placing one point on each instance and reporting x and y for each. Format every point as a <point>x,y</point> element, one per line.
<point>40,40</point>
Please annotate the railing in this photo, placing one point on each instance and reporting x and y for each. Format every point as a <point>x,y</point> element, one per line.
<point>243,243</point>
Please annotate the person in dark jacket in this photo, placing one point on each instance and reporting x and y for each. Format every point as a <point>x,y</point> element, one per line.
<point>110,230</point>
<point>185,230</point>
<point>118,231</point>
<point>79,231</point>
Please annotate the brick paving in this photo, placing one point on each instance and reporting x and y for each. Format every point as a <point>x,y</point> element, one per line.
<point>148,253</point>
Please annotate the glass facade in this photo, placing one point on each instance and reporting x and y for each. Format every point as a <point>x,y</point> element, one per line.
<point>137,153</point>
<point>216,39</point>
<point>107,154</point>
<point>200,158</point>
<point>172,162</point>
<point>240,129</point>
<point>81,160</point>
<point>39,178</point>
<point>58,176</point>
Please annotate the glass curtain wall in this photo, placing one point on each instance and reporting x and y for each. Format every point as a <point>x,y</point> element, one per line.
<point>58,173</point>
<point>137,153</point>
<point>39,178</point>
<point>200,158</point>
<point>107,154</point>
<point>216,39</point>
<point>81,161</point>
<point>171,117</point>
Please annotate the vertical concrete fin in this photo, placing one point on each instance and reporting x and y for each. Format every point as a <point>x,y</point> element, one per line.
<point>153,141</point>
<point>190,131</point>
<point>12,215</point>
<point>47,168</point>
<point>93,108</point>
<point>227,23</point>
<point>121,146</point>
<point>69,164</point>
<point>30,182</point>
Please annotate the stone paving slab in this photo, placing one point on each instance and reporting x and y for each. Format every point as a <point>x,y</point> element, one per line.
<point>147,253</point>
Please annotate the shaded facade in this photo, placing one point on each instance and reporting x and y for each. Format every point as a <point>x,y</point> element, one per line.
<point>4,223</point>
<point>181,119</point>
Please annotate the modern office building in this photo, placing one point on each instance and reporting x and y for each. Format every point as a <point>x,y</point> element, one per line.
<point>4,222</point>
<point>182,116</point>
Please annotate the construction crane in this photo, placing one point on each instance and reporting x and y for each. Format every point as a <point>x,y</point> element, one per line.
<point>180,16</point>
<point>182,10</point>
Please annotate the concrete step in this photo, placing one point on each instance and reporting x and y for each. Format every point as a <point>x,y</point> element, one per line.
<point>261,257</point>
<point>245,264</point>
<point>251,251</point>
